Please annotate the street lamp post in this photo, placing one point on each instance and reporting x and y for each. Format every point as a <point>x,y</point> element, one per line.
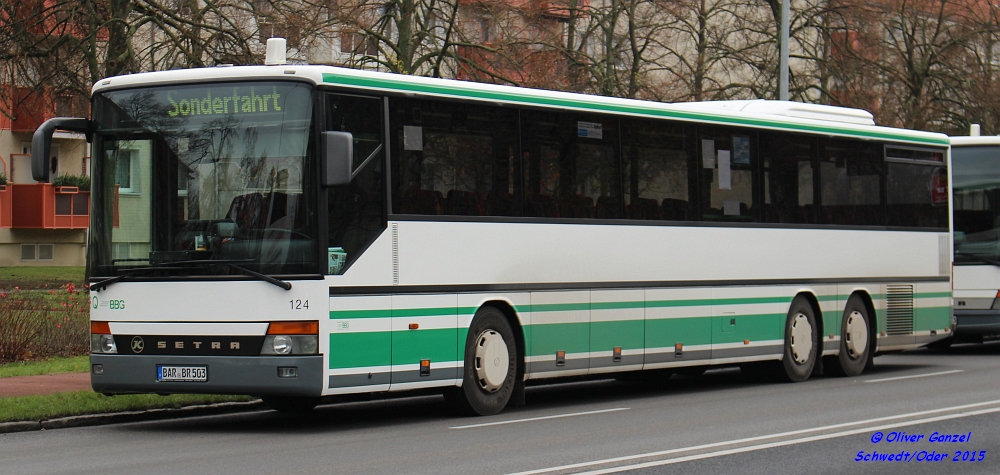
<point>783,51</point>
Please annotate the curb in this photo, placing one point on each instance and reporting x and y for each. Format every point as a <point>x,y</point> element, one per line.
<point>132,416</point>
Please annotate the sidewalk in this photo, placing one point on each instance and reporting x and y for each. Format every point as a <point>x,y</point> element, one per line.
<point>44,384</point>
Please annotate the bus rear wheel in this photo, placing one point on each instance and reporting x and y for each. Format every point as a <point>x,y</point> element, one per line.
<point>855,341</point>
<point>801,345</point>
<point>490,364</point>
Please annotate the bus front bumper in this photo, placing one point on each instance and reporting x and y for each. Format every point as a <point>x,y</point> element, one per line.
<point>249,375</point>
<point>974,324</point>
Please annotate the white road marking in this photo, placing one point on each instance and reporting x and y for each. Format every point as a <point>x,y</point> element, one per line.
<point>915,376</point>
<point>787,442</point>
<point>557,416</point>
<point>782,434</point>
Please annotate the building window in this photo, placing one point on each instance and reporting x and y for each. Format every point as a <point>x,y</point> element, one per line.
<point>27,252</point>
<point>358,43</point>
<point>46,252</point>
<point>127,172</point>
<point>121,250</point>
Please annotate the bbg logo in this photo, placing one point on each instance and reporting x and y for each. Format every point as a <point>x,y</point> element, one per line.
<point>93,302</point>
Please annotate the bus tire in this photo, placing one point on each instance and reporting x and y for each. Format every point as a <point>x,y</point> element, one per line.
<point>490,364</point>
<point>855,339</point>
<point>801,345</point>
<point>293,404</point>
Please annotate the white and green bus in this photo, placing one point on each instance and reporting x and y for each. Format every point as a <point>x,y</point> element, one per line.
<point>297,232</point>
<point>976,170</point>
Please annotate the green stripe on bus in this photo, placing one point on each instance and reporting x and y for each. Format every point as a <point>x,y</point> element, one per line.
<point>352,350</point>
<point>457,90</point>
<point>437,345</point>
<point>932,295</point>
<point>549,338</point>
<point>557,307</point>
<point>931,318</point>
<point>616,305</point>
<point>628,334</point>
<point>342,314</point>
<point>402,312</point>
<point>765,326</point>
<point>666,332</point>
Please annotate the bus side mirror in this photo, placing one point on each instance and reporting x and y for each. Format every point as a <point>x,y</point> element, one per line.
<point>338,155</point>
<point>41,142</point>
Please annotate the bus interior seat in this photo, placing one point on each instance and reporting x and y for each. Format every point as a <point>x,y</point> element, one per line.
<point>580,207</point>
<point>541,206</point>
<point>675,209</point>
<point>417,201</point>
<point>501,203</point>
<point>607,208</point>
<point>645,209</point>
<point>464,203</point>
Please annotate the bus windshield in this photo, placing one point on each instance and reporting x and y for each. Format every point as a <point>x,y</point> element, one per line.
<point>203,180</point>
<point>976,172</point>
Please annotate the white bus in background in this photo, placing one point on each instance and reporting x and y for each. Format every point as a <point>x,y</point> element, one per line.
<point>976,175</point>
<point>297,232</point>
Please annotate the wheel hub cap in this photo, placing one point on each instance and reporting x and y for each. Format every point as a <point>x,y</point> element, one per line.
<point>802,343</point>
<point>856,334</point>
<point>492,360</point>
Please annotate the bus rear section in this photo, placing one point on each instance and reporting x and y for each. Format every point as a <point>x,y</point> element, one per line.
<point>976,172</point>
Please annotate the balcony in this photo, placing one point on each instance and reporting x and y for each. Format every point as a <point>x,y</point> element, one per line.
<point>43,206</point>
<point>5,206</point>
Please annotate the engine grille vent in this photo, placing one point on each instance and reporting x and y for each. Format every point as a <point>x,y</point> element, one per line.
<point>899,309</point>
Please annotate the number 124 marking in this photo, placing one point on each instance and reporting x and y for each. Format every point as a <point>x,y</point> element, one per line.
<point>299,304</point>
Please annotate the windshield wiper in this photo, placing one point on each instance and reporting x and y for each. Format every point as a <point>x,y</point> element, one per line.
<point>178,265</point>
<point>978,258</point>
<point>231,263</point>
<point>126,273</point>
<point>266,278</point>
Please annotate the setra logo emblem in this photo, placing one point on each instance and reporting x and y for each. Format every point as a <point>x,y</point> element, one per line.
<point>137,344</point>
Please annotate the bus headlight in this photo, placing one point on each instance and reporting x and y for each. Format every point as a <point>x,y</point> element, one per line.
<point>290,345</point>
<point>103,344</point>
<point>101,339</point>
<point>282,344</point>
<point>291,338</point>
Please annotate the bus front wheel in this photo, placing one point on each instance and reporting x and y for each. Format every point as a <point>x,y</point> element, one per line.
<point>490,364</point>
<point>801,345</point>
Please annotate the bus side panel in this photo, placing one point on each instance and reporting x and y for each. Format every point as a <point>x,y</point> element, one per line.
<point>748,322</point>
<point>359,358</point>
<point>424,328</point>
<point>616,321</point>
<point>678,317</point>
<point>932,311</point>
<point>560,322</point>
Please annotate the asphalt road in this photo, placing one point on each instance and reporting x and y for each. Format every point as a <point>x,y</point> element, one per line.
<point>715,423</point>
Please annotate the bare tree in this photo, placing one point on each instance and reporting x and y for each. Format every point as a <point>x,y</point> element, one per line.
<point>898,57</point>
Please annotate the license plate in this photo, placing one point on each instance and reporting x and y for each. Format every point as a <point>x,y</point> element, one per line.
<point>182,373</point>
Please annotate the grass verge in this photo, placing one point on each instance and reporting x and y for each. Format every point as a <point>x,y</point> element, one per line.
<point>38,408</point>
<point>40,277</point>
<point>76,364</point>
